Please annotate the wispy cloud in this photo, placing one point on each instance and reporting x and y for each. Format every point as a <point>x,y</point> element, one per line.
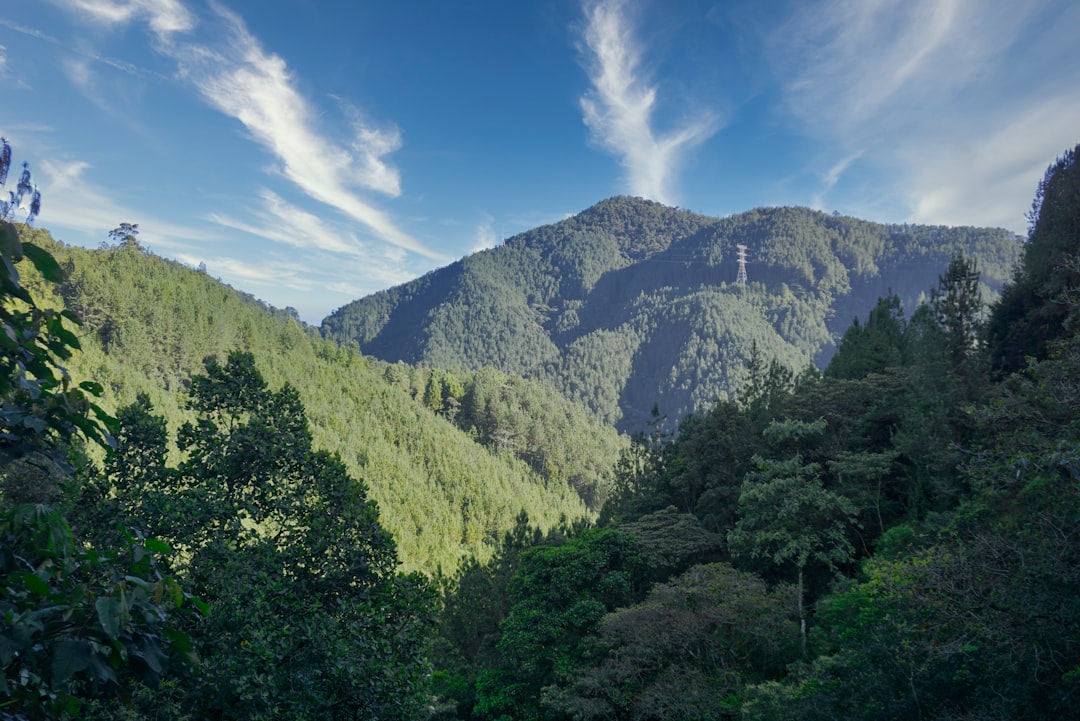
<point>990,179</point>
<point>315,287</point>
<point>830,178</point>
<point>92,212</point>
<point>267,274</point>
<point>486,237</point>
<point>618,109</point>
<point>163,16</point>
<point>239,78</point>
<point>330,252</point>
<point>26,30</point>
<point>939,96</point>
<point>282,222</point>
<point>242,80</point>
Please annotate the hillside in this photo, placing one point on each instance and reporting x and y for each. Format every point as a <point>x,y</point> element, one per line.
<point>631,304</point>
<point>443,494</point>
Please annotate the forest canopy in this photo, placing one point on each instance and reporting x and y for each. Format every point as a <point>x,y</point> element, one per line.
<point>206,506</point>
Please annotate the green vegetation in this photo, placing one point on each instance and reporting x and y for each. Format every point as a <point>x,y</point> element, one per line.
<point>149,323</point>
<point>297,581</point>
<point>76,621</point>
<point>891,539</point>
<point>630,303</point>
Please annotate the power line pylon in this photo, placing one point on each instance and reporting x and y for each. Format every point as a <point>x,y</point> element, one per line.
<point>741,280</point>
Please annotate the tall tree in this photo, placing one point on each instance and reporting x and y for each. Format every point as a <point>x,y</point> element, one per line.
<point>957,307</point>
<point>787,516</point>
<point>558,597</point>
<point>307,616</point>
<point>1036,306</point>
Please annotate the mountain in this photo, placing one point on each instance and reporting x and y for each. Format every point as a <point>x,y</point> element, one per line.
<point>446,494</point>
<point>631,304</point>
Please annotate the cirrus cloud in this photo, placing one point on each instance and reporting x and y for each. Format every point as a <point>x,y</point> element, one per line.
<point>618,108</point>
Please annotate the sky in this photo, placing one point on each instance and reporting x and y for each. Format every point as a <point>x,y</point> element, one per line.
<point>311,152</point>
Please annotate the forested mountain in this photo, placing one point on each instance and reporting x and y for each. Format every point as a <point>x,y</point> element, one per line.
<point>891,539</point>
<point>631,303</point>
<point>445,492</point>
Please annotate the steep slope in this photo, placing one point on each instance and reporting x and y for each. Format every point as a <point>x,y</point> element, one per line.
<point>150,322</point>
<point>631,303</point>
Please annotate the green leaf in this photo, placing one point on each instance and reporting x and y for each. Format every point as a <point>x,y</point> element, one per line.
<point>44,262</point>
<point>8,649</point>
<point>9,241</point>
<point>151,652</point>
<point>71,316</point>
<point>92,387</point>
<point>203,606</point>
<point>36,585</point>
<point>69,658</point>
<point>108,611</point>
<point>158,546</point>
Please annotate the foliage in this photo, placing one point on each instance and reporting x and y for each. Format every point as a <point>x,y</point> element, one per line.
<point>629,303</point>
<point>282,546</point>
<point>149,323</point>
<point>41,404</point>
<point>529,420</point>
<point>1038,305</point>
<point>787,516</point>
<point>77,622</point>
<point>686,652</point>
<point>558,597</point>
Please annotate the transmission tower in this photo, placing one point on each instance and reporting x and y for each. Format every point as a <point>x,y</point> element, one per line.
<point>741,280</point>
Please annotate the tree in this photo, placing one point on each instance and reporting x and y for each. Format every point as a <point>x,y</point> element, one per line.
<point>126,237</point>
<point>787,516</point>
<point>558,597</point>
<point>80,622</point>
<point>42,405</point>
<point>1036,308</point>
<point>765,384</point>
<point>873,347</point>
<point>433,393</point>
<point>957,307</point>
<point>686,652</point>
<point>77,621</point>
<point>307,615</point>
<point>475,604</point>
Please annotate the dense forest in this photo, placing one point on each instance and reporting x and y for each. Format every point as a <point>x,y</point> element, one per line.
<point>206,506</point>
<point>450,474</point>
<point>893,538</point>
<point>632,304</point>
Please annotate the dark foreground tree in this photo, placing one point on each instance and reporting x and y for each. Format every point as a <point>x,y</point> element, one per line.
<point>307,617</point>
<point>1040,303</point>
<point>77,622</point>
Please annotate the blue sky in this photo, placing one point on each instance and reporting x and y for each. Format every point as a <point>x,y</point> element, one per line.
<point>313,151</point>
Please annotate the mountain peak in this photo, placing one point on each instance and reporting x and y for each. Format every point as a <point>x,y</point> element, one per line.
<point>632,303</point>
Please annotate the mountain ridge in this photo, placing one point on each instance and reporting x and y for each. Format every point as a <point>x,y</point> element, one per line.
<point>631,303</point>
<point>444,491</point>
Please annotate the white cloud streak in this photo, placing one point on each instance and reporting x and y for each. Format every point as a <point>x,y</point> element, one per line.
<point>91,212</point>
<point>486,237</point>
<point>243,81</point>
<point>960,103</point>
<point>240,79</point>
<point>315,287</point>
<point>618,109</point>
<point>163,16</point>
<point>284,223</point>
